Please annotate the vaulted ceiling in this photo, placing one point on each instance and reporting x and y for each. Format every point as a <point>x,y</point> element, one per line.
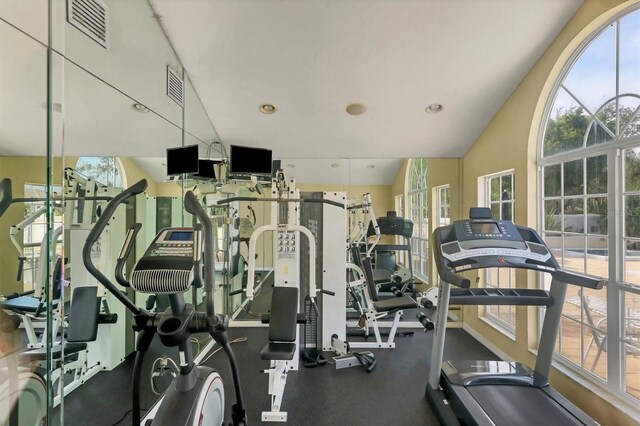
<point>311,59</point>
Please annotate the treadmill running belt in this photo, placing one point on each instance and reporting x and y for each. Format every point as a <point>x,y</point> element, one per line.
<point>519,405</point>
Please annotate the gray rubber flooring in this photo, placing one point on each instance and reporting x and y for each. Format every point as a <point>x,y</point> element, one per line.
<point>392,394</point>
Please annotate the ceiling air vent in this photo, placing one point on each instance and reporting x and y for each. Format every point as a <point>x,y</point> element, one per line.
<point>175,87</point>
<point>90,17</point>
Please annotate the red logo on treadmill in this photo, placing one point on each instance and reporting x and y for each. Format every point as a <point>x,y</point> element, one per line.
<point>501,260</point>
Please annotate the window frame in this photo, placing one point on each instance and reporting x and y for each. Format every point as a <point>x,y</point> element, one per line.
<point>614,149</point>
<point>420,239</point>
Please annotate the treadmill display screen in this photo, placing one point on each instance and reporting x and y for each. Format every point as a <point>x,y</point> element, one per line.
<point>180,236</point>
<point>490,228</point>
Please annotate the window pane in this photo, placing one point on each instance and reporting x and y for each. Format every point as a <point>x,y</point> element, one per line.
<point>593,77</point>
<point>554,242</point>
<point>507,187</point>
<point>598,256</point>
<point>552,181</point>
<point>632,216</point>
<point>553,215</point>
<point>495,189</point>
<point>632,262</point>
<point>594,352</point>
<point>597,175</point>
<point>570,338</point>
<point>573,178</point>
<point>506,211</point>
<point>632,169</point>
<point>629,53</point>
<point>597,134</point>
<point>628,108</point>
<point>495,210</point>
<point>574,215</point>
<point>597,215</point>
<point>566,126</point>
<point>574,253</point>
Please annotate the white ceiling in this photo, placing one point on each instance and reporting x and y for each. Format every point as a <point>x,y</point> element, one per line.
<point>312,58</point>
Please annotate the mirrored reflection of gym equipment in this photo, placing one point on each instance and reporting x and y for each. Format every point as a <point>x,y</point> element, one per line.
<point>80,355</point>
<point>290,273</point>
<point>361,284</point>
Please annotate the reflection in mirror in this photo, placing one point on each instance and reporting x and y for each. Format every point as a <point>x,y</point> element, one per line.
<point>24,248</point>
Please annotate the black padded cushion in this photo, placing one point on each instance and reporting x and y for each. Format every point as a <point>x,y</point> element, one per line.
<point>284,314</point>
<point>5,195</point>
<point>83,315</point>
<point>368,277</point>
<point>56,352</point>
<point>404,302</point>
<point>277,351</point>
<point>355,256</point>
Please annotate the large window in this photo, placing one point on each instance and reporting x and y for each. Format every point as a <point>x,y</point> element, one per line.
<point>590,207</point>
<point>499,196</point>
<point>443,205</point>
<point>418,207</point>
<point>104,170</point>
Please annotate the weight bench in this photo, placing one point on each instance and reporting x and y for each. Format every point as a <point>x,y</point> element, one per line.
<point>282,346</point>
<point>375,309</point>
<point>30,308</point>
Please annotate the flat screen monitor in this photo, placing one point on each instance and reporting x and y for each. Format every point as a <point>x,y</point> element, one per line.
<point>206,169</point>
<point>250,161</point>
<point>182,160</point>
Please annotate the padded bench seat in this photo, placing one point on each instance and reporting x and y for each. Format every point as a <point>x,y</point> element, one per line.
<point>278,351</point>
<point>56,352</point>
<point>404,302</point>
<point>24,304</point>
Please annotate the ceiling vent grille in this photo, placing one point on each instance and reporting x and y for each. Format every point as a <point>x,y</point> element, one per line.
<point>90,17</point>
<point>175,86</point>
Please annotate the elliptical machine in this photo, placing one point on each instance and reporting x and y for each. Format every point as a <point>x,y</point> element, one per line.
<point>172,263</point>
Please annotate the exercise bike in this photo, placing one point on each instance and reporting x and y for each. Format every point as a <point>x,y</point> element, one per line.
<point>171,264</point>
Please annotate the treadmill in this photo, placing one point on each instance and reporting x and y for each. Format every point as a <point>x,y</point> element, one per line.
<point>498,392</point>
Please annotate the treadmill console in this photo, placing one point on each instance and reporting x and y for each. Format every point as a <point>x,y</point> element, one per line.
<point>484,243</point>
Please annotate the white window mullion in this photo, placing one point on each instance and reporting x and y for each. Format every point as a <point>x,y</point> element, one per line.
<point>615,349</point>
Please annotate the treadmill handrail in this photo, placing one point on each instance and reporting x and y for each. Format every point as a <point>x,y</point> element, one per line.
<point>445,273</point>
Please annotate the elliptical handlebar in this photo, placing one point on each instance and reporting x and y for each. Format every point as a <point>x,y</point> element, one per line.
<point>192,206</point>
<point>95,234</point>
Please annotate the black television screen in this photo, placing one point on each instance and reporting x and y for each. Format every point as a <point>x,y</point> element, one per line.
<point>253,161</point>
<point>182,160</point>
<point>206,169</point>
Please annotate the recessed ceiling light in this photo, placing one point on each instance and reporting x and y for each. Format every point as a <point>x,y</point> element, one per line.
<point>433,108</point>
<point>140,108</point>
<point>267,109</point>
<point>370,166</point>
<point>335,165</point>
<point>356,109</point>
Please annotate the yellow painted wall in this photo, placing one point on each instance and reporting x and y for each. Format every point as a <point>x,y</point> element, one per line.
<point>515,129</point>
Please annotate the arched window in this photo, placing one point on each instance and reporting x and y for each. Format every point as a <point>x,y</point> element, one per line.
<point>590,207</point>
<point>418,207</point>
<point>105,170</point>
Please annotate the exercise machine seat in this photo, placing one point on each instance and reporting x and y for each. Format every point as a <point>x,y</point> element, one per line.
<point>40,354</point>
<point>275,351</point>
<point>404,302</point>
<point>282,325</point>
<point>25,304</point>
